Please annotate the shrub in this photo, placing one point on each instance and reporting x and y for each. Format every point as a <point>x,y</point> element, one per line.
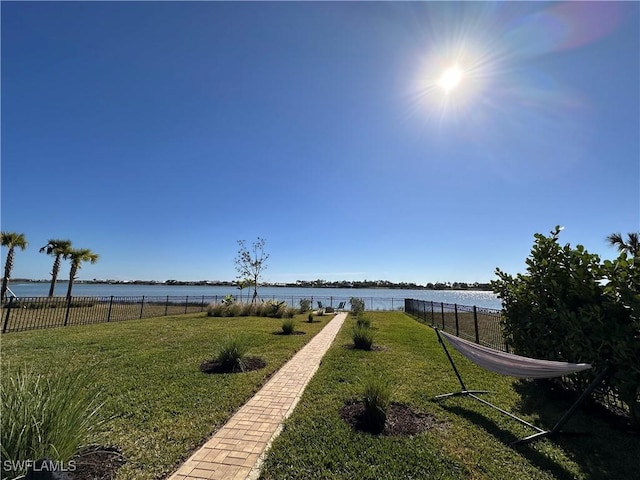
<point>320,312</point>
<point>310,318</point>
<point>357,305</point>
<point>376,398</point>
<point>232,353</point>
<point>247,309</point>
<point>305,305</point>
<point>560,310</point>
<point>363,321</point>
<point>46,417</point>
<point>289,312</point>
<point>228,300</point>
<point>215,310</point>
<point>288,326</point>
<point>362,337</point>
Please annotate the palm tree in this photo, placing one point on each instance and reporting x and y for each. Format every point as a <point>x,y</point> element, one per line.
<point>77,256</point>
<point>10,240</point>
<point>59,249</point>
<point>632,245</point>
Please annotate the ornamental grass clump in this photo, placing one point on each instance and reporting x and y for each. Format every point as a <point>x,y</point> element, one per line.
<point>376,399</point>
<point>288,326</point>
<point>363,321</point>
<point>362,337</point>
<point>232,353</point>
<point>46,417</point>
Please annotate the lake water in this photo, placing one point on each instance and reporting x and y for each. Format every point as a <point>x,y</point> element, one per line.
<point>374,298</point>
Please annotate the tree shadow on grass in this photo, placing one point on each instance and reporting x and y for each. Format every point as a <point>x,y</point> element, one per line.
<point>601,451</point>
<point>536,458</point>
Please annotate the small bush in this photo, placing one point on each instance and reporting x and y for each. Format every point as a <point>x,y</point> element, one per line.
<point>215,310</point>
<point>305,305</point>
<point>320,312</point>
<point>232,353</point>
<point>247,309</point>
<point>288,326</point>
<point>46,417</point>
<point>357,305</point>
<point>363,321</point>
<point>289,312</point>
<point>376,398</point>
<point>229,300</point>
<point>310,318</point>
<point>362,338</point>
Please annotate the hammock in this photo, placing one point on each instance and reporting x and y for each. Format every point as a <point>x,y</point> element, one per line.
<point>510,364</point>
<point>516,366</point>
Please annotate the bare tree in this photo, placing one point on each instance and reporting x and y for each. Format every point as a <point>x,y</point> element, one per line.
<point>251,263</point>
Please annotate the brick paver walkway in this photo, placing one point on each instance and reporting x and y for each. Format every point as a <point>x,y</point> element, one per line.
<point>235,451</point>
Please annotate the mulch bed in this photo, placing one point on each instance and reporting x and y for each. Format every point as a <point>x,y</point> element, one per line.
<point>296,332</point>
<point>401,419</point>
<point>374,348</point>
<point>97,464</point>
<point>214,366</point>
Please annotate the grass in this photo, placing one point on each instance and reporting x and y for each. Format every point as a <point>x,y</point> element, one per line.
<point>469,442</point>
<point>362,337</point>
<point>376,398</point>
<point>46,417</point>
<point>288,326</point>
<point>232,352</point>
<point>160,405</point>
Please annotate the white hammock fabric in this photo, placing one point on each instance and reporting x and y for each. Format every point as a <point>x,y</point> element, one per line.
<point>510,364</point>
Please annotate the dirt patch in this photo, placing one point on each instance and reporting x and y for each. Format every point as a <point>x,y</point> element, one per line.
<point>215,366</point>
<point>374,348</point>
<point>97,464</point>
<point>297,332</point>
<point>401,419</point>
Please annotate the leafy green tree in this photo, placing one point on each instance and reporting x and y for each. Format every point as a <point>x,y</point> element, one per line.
<point>251,263</point>
<point>569,306</point>
<point>10,240</point>
<point>77,257</point>
<point>59,249</point>
<point>631,245</point>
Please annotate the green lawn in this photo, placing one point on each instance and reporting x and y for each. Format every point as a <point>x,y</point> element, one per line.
<point>162,406</point>
<point>469,442</point>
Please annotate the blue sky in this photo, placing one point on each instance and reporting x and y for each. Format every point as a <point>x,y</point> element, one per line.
<point>159,134</point>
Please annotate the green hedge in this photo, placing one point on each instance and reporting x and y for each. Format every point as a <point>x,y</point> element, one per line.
<point>570,306</point>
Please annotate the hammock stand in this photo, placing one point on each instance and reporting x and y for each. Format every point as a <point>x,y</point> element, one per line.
<point>517,366</point>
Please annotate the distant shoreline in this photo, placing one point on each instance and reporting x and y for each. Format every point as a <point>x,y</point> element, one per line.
<point>379,284</point>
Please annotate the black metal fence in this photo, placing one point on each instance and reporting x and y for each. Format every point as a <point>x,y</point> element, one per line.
<point>480,325</point>
<point>29,313</point>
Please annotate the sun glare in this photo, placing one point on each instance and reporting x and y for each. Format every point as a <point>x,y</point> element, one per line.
<point>450,79</point>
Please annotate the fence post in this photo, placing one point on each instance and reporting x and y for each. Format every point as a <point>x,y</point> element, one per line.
<point>475,323</point>
<point>433,317</point>
<point>455,307</point>
<point>166,306</point>
<point>186,304</point>
<point>202,305</point>
<point>6,317</point>
<point>66,315</point>
<point>424,311</point>
<point>442,313</point>
<point>110,305</point>
<point>142,306</point>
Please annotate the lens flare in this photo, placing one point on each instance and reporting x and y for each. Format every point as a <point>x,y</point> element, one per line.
<point>450,79</point>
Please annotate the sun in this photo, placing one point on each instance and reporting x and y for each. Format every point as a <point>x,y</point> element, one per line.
<point>450,79</point>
